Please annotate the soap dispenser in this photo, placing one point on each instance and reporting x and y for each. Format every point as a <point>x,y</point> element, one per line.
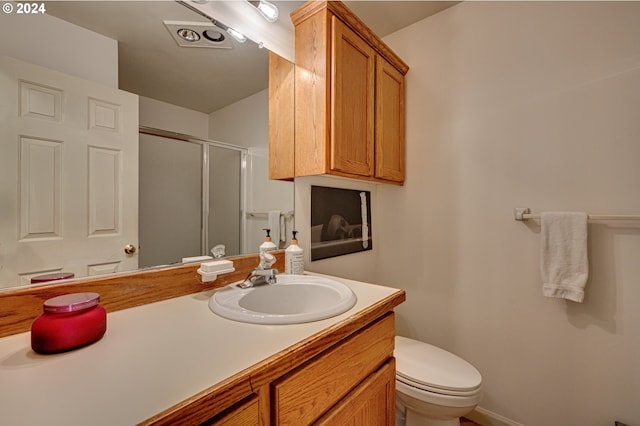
<point>267,245</point>
<point>294,257</point>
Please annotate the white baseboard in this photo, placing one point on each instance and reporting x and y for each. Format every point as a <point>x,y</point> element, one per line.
<point>488,418</point>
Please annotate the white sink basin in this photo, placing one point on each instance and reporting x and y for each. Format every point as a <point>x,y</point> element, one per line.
<point>293,299</point>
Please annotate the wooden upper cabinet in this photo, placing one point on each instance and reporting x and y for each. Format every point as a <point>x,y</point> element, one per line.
<point>281,136</point>
<point>349,97</point>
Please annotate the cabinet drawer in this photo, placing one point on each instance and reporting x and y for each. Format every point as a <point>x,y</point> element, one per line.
<point>244,413</point>
<point>303,395</point>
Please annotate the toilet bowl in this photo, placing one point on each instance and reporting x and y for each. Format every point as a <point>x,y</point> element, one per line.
<point>433,387</point>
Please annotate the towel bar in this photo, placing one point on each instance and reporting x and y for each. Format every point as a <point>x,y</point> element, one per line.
<point>523,213</point>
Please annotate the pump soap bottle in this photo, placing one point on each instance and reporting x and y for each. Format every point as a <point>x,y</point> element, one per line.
<point>294,257</point>
<point>267,245</point>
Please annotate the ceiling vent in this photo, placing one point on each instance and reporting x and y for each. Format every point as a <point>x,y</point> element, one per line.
<point>198,34</point>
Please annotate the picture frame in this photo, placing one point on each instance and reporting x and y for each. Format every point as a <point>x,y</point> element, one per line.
<point>340,222</point>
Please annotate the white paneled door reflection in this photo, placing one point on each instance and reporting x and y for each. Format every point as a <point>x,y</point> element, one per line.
<point>68,174</point>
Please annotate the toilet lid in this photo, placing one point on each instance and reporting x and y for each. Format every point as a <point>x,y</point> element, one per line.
<point>429,367</point>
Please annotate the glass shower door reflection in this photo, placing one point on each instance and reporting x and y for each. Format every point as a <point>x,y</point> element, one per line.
<point>170,200</point>
<point>225,223</point>
<point>191,198</point>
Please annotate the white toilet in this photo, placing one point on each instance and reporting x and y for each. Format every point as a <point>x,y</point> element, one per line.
<point>433,387</point>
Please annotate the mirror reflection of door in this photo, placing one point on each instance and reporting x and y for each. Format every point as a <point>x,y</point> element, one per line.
<point>70,202</point>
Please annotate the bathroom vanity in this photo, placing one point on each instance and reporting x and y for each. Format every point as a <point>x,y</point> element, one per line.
<point>173,362</point>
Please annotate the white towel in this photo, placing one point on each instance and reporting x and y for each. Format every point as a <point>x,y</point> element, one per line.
<point>274,225</point>
<point>564,265</point>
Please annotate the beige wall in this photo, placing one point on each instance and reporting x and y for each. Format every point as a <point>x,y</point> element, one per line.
<point>246,123</point>
<point>165,116</point>
<point>521,104</point>
<point>53,43</point>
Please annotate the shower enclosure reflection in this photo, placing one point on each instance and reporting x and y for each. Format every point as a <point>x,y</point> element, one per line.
<point>206,180</point>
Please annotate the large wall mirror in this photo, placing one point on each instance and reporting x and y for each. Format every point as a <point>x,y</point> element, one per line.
<point>129,141</point>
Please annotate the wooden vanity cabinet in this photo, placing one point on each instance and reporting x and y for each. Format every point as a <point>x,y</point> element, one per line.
<point>342,375</point>
<point>349,97</point>
<point>345,380</point>
<point>351,382</point>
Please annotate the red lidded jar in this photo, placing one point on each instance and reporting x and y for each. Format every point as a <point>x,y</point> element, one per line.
<point>68,322</point>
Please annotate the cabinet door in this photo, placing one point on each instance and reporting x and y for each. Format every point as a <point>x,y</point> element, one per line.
<point>305,394</point>
<point>352,102</point>
<point>389,122</point>
<point>372,403</point>
<point>281,112</point>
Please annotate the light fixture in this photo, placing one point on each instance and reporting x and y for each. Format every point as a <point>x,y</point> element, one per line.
<point>199,34</point>
<point>268,10</point>
<point>188,34</point>
<point>237,35</point>
<point>240,38</point>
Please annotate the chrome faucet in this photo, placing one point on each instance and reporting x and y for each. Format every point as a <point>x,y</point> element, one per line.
<point>263,273</point>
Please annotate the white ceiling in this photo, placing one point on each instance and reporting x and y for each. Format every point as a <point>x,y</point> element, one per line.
<point>151,63</point>
<point>386,17</point>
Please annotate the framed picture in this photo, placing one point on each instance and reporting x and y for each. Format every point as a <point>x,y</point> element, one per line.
<point>340,222</point>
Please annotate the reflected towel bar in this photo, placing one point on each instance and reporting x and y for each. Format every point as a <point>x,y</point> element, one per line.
<point>255,213</point>
<point>523,213</point>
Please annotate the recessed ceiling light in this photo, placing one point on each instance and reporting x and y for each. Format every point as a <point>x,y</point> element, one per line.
<point>188,34</point>
<point>214,35</point>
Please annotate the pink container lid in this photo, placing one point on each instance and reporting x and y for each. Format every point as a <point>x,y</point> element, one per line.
<point>52,277</point>
<point>71,302</point>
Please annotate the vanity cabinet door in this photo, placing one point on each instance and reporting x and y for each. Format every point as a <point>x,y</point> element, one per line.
<point>244,413</point>
<point>372,403</point>
<point>308,392</point>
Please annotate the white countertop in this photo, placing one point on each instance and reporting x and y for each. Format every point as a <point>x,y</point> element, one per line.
<point>151,358</point>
